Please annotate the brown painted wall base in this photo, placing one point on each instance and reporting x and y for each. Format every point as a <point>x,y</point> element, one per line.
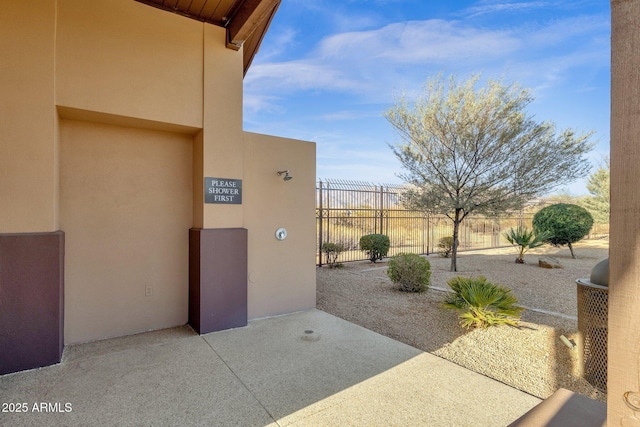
<point>31,300</point>
<point>217,279</point>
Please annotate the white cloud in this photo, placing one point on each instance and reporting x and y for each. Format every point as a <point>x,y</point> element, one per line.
<point>544,73</point>
<point>299,75</point>
<point>559,31</point>
<point>280,42</point>
<point>370,63</point>
<point>490,7</point>
<point>369,66</point>
<point>255,102</point>
<point>351,76</point>
<point>400,55</point>
<point>451,42</point>
<point>366,165</point>
<point>416,42</point>
<point>346,22</point>
<point>349,115</point>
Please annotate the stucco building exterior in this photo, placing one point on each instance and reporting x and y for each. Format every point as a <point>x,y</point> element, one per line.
<point>116,118</point>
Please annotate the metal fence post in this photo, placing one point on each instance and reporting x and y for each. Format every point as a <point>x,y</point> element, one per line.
<point>425,232</point>
<point>328,216</point>
<point>381,209</point>
<point>319,215</point>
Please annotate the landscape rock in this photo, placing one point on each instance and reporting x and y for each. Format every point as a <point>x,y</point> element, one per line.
<point>549,262</point>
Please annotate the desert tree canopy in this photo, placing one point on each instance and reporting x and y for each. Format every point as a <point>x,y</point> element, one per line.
<point>598,202</point>
<point>468,149</point>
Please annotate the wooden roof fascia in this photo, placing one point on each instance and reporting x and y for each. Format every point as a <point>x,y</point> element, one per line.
<point>252,46</point>
<point>180,12</point>
<point>247,18</point>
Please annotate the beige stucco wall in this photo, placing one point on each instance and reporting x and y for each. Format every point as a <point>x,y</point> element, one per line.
<point>126,58</point>
<point>113,113</point>
<point>281,273</point>
<point>28,141</point>
<point>126,208</point>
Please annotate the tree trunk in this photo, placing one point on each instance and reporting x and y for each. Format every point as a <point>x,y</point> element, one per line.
<point>571,249</point>
<point>454,248</point>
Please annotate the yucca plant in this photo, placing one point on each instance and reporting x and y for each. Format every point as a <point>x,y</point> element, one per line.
<point>524,239</point>
<point>481,303</point>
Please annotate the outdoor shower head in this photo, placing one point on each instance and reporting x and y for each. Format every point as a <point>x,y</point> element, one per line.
<point>286,177</point>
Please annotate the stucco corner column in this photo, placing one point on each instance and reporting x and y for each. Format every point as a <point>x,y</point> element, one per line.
<point>623,382</point>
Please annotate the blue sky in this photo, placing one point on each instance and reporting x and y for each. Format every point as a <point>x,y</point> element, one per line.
<point>328,69</point>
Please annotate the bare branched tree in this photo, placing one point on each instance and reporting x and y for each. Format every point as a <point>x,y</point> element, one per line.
<point>468,150</point>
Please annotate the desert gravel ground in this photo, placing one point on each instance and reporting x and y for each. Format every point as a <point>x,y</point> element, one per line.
<point>531,357</point>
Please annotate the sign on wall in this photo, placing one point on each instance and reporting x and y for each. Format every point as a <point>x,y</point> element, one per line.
<point>223,190</point>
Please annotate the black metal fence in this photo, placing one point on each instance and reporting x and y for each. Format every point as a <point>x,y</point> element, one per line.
<point>347,210</point>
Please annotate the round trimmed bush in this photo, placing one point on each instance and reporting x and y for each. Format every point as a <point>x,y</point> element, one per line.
<point>563,224</point>
<point>375,245</point>
<point>411,272</point>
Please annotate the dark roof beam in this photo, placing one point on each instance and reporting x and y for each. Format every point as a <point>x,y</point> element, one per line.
<point>246,19</point>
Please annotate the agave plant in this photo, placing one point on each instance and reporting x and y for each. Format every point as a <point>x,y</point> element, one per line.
<point>481,303</point>
<point>524,239</point>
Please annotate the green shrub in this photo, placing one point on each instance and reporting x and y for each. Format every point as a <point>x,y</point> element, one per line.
<point>563,224</point>
<point>332,251</point>
<point>411,272</point>
<point>375,245</point>
<point>524,240</point>
<point>481,303</point>
<point>445,246</point>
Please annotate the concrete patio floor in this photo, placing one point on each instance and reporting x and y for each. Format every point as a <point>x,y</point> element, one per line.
<point>303,369</point>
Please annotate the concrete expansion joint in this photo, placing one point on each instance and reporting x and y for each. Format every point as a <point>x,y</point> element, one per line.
<point>240,380</point>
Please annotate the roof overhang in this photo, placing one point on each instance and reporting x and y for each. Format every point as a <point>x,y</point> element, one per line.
<point>246,21</point>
